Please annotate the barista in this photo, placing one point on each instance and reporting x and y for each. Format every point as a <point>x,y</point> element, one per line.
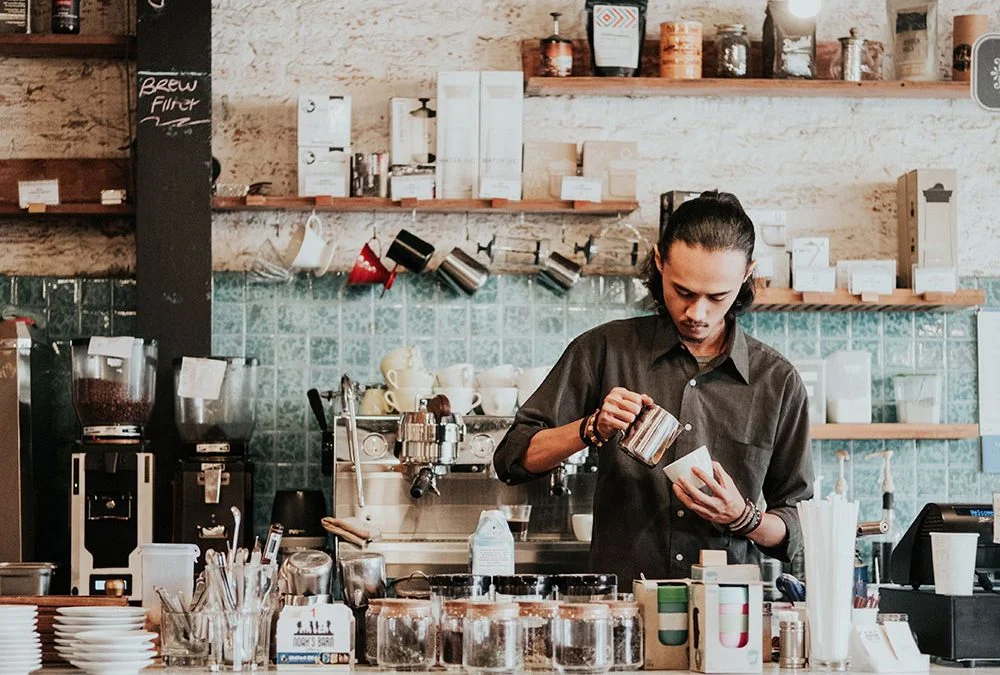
<point>732,393</point>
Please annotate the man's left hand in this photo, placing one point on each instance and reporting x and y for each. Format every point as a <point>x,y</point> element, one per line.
<point>722,507</point>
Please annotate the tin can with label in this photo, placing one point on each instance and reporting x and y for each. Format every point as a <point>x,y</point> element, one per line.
<point>680,50</point>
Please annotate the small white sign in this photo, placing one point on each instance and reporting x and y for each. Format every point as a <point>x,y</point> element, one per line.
<point>37,192</point>
<point>111,347</point>
<point>868,279</point>
<point>814,279</point>
<point>201,378</point>
<point>500,188</point>
<point>412,187</point>
<point>580,189</point>
<point>315,635</point>
<point>810,252</point>
<point>934,279</point>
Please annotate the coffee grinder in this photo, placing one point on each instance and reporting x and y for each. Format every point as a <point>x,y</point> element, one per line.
<point>111,485</point>
<point>215,411</point>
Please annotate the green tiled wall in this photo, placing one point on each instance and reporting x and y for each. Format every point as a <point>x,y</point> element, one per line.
<point>309,332</point>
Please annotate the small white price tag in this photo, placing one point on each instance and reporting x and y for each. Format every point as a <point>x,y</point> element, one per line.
<point>871,280</point>
<point>37,192</point>
<point>112,347</point>
<point>412,187</point>
<point>580,189</point>
<point>500,188</point>
<point>814,279</point>
<point>934,280</point>
<point>201,378</point>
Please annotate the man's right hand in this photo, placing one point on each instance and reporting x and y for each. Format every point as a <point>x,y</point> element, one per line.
<point>618,410</point>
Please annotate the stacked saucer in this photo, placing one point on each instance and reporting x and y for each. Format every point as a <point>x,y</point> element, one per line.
<point>104,640</point>
<point>20,646</point>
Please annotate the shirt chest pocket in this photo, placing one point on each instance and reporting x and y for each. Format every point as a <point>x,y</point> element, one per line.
<point>745,462</point>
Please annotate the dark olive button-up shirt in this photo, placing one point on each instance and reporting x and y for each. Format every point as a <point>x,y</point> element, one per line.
<point>748,406</point>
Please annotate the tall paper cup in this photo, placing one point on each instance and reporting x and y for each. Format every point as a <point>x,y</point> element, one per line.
<point>954,561</point>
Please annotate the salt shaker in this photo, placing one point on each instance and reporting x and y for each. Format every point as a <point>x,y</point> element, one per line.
<point>793,644</point>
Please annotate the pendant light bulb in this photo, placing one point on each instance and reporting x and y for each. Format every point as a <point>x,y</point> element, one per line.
<point>804,9</point>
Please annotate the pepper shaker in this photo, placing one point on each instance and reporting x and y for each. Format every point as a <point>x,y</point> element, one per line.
<point>793,644</point>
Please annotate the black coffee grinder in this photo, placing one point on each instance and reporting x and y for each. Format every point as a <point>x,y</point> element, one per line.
<point>111,488</point>
<point>215,411</point>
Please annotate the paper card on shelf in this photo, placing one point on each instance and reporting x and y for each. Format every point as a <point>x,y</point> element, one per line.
<point>872,279</point>
<point>411,187</point>
<point>201,378</point>
<point>869,650</point>
<point>934,279</point>
<point>845,268</point>
<point>814,279</point>
<point>988,329</point>
<point>111,347</point>
<point>37,192</point>
<point>810,252</point>
<point>500,188</point>
<point>580,189</point>
<point>908,656</point>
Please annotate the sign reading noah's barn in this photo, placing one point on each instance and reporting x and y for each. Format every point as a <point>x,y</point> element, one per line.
<point>986,72</point>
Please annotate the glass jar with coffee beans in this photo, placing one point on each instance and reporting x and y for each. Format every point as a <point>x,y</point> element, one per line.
<point>583,638</point>
<point>536,628</point>
<point>626,619</point>
<point>491,639</point>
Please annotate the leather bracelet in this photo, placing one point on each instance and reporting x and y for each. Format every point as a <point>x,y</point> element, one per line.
<point>752,524</point>
<point>743,518</point>
<point>583,430</point>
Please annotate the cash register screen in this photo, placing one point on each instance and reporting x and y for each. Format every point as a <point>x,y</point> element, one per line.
<point>975,513</point>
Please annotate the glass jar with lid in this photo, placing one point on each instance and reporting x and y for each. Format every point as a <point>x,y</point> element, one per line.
<point>583,638</point>
<point>585,587</point>
<point>732,50</point>
<point>517,587</point>
<point>451,629</point>
<point>406,635</point>
<point>536,630</point>
<point>626,620</point>
<point>371,630</point>
<point>491,642</point>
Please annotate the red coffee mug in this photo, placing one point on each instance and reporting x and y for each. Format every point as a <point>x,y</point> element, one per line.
<point>368,269</point>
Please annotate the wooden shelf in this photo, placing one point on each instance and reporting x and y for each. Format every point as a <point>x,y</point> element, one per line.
<point>47,45</point>
<point>282,203</point>
<point>861,432</point>
<point>653,86</point>
<point>902,300</point>
<point>77,209</point>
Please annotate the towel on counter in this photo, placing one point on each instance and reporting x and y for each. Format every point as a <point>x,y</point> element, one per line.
<point>353,530</point>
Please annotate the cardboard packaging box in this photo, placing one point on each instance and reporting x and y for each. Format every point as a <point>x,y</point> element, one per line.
<point>813,374</point>
<point>15,16</point>
<point>501,113</point>
<point>324,171</point>
<point>708,653</point>
<point>412,131</point>
<point>616,163</point>
<point>927,220</point>
<point>325,120</point>
<point>666,634</point>
<point>457,158</point>
<point>669,201</point>
<point>545,166</point>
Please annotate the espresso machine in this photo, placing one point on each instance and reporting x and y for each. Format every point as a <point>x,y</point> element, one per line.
<point>215,412</point>
<point>111,484</point>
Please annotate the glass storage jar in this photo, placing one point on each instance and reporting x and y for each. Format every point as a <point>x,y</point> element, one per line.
<point>585,587</point>
<point>516,587</point>
<point>582,638</point>
<point>450,630</point>
<point>371,630</point>
<point>732,50</point>
<point>406,635</point>
<point>491,641</point>
<point>536,629</point>
<point>626,620</point>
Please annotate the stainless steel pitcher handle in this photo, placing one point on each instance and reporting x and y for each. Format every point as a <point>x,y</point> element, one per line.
<point>349,399</point>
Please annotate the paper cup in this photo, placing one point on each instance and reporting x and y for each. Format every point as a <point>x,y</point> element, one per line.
<point>954,561</point>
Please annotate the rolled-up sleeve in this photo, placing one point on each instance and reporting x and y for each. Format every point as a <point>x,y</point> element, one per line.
<point>569,393</point>
<point>789,477</point>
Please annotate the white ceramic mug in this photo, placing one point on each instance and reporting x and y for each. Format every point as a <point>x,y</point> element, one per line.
<point>409,378</point>
<point>373,402</point>
<point>401,357</point>
<point>405,400</point>
<point>306,248</point>
<point>462,399</point>
<point>500,376</point>
<point>529,380</point>
<point>458,375</point>
<point>499,401</point>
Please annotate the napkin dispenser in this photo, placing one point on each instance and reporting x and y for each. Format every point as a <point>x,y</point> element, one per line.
<point>912,562</point>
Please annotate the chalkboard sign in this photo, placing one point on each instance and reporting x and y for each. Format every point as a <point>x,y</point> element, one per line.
<point>986,72</point>
<point>174,101</point>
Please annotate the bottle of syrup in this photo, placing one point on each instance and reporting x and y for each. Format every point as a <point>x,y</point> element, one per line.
<point>66,16</point>
<point>557,52</point>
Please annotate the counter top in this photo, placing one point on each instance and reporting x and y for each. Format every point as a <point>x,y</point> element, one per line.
<point>769,668</point>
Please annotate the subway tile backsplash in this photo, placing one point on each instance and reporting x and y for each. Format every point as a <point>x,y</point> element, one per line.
<point>308,332</point>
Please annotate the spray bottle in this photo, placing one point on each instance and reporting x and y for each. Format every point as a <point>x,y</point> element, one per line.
<point>883,545</point>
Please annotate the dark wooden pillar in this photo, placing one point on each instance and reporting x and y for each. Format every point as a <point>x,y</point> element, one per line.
<point>174,214</point>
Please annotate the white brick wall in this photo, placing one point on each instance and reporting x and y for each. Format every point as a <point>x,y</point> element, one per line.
<point>832,163</point>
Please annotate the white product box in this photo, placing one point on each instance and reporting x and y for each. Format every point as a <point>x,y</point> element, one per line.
<point>616,164</point>
<point>814,279</point>
<point>934,279</point>
<point>325,120</point>
<point>810,252</point>
<point>846,267</point>
<point>813,374</point>
<point>457,160</point>
<point>707,653</point>
<point>324,171</point>
<point>545,166</point>
<point>771,226</point>
<point>413,130</point>
<point>927,220</point>
<point>411,187</point>
<point>501,115</point>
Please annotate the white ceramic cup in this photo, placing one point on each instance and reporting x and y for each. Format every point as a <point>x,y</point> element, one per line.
<point>405,400</point>
<point>500,376</point>
<point>682,467</point>
<point>373,402</point>
<point>458,375</point>
<point>529,380</point>
<point>409,378</point>
<point>583,526</point>
<point>499,401</point>
<point>462,399</point>
<point>305,250</point>
<point>954,556</point>
<point>401,357</point>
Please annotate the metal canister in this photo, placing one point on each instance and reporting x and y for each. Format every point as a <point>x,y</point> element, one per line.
<point>852,56</point>
<point>793,645</point>
<point>650,435</point>
<point>680,50</point>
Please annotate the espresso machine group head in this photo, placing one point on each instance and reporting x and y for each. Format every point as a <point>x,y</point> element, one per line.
<point>428,443</point>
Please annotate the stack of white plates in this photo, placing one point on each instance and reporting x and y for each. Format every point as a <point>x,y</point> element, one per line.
<point>20,647</point>
<point>104,640</point>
